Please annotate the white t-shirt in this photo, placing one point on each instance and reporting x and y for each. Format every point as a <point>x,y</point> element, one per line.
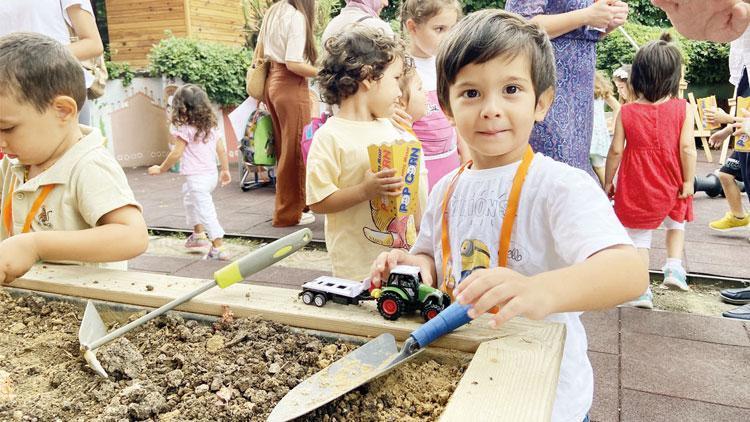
<point>563,218</point>
<point>739,57</point>
<point>42,17</point>
<point>350,15</point>
<point>427,70</point>
<point>284,34</point>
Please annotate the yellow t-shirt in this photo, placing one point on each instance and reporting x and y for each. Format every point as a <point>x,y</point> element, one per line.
<point>89,183</point>
<point>338,159</point>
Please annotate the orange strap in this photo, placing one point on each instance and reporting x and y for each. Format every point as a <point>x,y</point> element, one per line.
<point>505,231</point>
<point>8,208</point>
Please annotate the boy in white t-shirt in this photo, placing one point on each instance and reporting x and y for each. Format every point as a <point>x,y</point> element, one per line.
<point>562,247</point>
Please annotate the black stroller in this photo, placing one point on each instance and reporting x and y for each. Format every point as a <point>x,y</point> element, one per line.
<point>257,153</point>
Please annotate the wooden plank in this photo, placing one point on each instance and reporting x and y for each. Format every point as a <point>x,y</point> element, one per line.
<point>280,305</point>
<point>188,22</point>
<point>510,379</point>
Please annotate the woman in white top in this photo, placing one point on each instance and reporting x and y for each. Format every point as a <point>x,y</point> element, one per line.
<point>288,43</point>
<point>366,12</point>
<point>52,18</point>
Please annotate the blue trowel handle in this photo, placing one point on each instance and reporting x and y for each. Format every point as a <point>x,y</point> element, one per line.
<point>446,321</point>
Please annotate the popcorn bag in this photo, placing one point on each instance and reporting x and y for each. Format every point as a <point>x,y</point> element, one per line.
<point>405,158</point>
<point>704,104</point>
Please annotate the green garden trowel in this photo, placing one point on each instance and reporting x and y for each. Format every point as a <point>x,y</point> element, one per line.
<point>93,333</point>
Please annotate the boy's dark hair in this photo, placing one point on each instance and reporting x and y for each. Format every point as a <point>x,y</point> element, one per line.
<point>657,69</point>
<point>191,106</point>
<point>357,54</point>
<point>484,35</point>
<point>35,69</point>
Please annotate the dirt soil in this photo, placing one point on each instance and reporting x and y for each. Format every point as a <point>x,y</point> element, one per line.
<point>182,370</point>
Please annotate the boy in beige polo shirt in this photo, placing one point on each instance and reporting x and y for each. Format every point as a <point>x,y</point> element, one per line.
<point>64,197</point>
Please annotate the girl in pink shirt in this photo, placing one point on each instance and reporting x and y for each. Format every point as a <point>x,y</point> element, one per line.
<point>197,146</point>
<point>427,22</point>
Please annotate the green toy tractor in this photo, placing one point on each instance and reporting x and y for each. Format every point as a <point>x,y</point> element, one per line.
<point>404,292</point>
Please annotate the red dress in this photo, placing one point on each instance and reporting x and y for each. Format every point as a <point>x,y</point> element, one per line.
<point>650,174</point>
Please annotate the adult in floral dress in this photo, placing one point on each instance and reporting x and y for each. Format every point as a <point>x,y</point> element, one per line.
<point>574,27</point>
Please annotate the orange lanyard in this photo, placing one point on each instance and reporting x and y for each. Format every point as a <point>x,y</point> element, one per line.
<point>507,227</point>
<point>8,208</point>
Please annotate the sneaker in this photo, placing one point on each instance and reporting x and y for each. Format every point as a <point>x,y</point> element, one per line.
<point>197,241</point>
<point>675,278</point>
<point>218,254</point>
<point>645,301</point>
<point>306,219</point>
<point>729,222</point>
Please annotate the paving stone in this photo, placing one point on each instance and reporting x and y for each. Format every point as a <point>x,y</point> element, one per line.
<point>158,264</point>
<point>202,268</point>
<point>603,330</point>
<point>293,278</point>
<point>684,326</point>
<point>713,373</point>
<point>606,385</point>
<point>266,229</point>
<point>638,406</point>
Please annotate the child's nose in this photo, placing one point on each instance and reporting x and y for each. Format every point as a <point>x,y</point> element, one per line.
<point>491,108</point>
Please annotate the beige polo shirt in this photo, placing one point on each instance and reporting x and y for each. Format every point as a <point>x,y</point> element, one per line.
<point>89,183</point>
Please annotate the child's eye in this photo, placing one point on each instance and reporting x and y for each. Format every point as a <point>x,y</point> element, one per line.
<point>471,93</point>
<point>7,129</point>
<point>511,89</point>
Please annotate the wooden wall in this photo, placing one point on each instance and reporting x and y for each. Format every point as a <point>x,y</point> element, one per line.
<point>136,25</point>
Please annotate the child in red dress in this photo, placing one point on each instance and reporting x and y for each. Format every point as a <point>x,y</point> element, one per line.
<point>654,149</point>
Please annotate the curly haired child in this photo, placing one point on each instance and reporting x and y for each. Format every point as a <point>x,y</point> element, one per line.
<point>361,72</point>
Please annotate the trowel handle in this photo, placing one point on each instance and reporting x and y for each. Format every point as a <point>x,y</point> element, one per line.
<point>262,258</point>
<point>446,321</point>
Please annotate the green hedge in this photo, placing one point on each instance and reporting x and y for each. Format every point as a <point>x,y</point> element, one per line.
<point>218,68</point>
<point>707,62</point>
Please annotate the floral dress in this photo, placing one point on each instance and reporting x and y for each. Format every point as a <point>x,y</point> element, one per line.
<point>565,134</point>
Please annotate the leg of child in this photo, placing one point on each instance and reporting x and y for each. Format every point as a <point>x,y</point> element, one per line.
<point>197,240</point>
<point>204,206</point>
<point>675,275</point>
<point>642,242</point>
<point>597,163</point>
<point>733,194</point>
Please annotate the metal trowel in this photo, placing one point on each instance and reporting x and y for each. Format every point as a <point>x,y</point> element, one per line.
<point>93,332</point>
<point>373,359</point>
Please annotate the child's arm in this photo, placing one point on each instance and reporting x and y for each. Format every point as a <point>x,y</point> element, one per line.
<point>614,156</point>
<point>688,155</point>
<point>173,157</point>
<point>613,104</point>
<point>604,280</point>
<point>119,235</point>
<point>221,151</point>
<point>380,183</point>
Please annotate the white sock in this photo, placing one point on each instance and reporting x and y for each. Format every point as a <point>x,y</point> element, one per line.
<point>674,262</point>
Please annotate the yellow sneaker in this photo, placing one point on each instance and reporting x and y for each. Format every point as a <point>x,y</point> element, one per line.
<point>730,222</point>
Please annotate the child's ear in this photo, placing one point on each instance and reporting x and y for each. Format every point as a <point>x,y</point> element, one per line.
<point>65,108</point>
<point>411,26</point>
<point>543,104</point>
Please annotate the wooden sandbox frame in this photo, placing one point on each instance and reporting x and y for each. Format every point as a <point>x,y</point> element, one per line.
<point>512,376</point>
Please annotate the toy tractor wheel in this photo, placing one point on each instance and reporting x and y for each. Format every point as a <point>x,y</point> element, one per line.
<point>307,298</point>
<point>430,311</point>
<point>320,300</point>
<point>390,306</point>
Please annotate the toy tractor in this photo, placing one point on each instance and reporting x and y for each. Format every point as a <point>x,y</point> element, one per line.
<point>404,292</point>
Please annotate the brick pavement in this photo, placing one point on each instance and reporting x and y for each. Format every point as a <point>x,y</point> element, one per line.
<point>249,213</point>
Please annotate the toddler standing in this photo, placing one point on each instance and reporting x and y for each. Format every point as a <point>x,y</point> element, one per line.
<point>654,150</point>
<point>197,146</point>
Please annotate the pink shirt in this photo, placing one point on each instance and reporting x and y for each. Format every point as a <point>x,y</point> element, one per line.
<point>199,156</point>
<point>434,130</point>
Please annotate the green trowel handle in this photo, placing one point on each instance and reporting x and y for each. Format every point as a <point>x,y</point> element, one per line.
<point>262,258</point>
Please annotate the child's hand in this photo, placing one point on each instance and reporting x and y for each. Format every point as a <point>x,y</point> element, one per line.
<point>609,188</point>
<point>17,255</point>
<point>382,183</point>
<point>225,178</point>
<point>514,293</point>
<point>154,170</point>
<point>401,118</point>
<point>687,190</point>
<point>386,261</point>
